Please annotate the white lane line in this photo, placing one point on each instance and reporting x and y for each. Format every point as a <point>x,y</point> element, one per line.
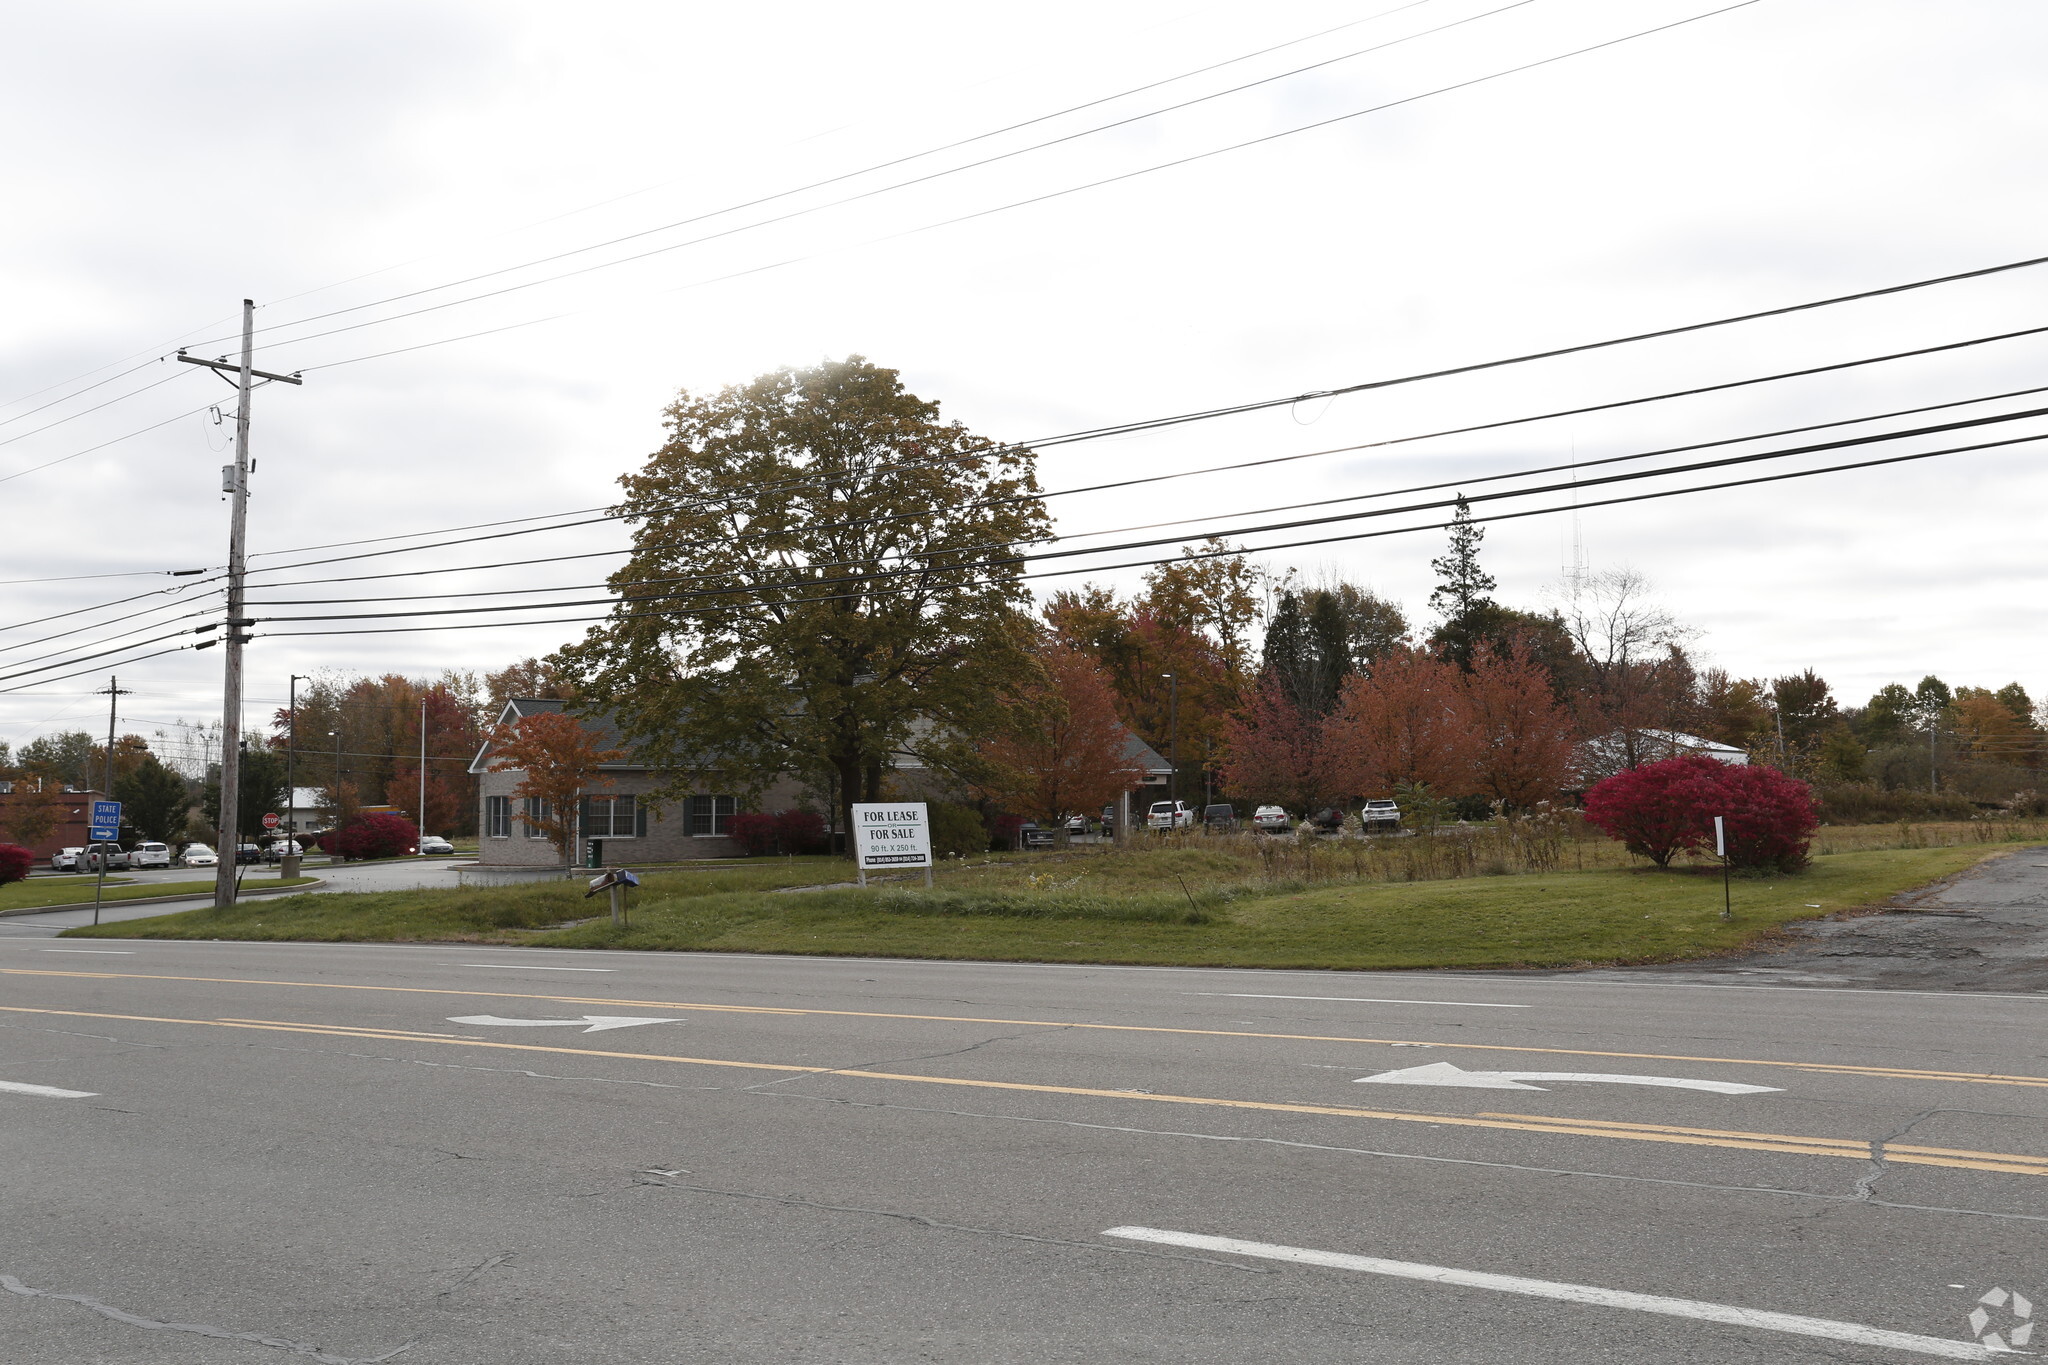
<point>1360,1000</point>
<point>50,1092</point>
<point>118,952</point>
<point>1826,1328</point>
<point>524,967</point>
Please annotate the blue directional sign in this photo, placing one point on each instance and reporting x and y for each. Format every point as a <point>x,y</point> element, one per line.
<point>106,821</point>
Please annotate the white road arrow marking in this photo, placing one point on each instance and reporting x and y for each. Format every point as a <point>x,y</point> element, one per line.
<point>46,1091</point>
<point>598,1022</point>
<point>1443,1073</point>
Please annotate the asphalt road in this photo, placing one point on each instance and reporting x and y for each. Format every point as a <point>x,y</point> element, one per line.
<point>341,1152</point>
<point>395,875</point>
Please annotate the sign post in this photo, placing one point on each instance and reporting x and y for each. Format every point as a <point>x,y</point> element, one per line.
<point>104,823</point>
<point>1721,851</point>
<point>892,834</point>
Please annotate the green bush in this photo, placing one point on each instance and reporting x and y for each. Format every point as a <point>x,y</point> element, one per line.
<point>1866,803</point>
<point>957,830</point>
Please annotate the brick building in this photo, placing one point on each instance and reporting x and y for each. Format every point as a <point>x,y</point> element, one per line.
<point>71,809</point>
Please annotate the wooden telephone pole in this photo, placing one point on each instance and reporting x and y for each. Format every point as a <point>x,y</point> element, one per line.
<point>235,481</point>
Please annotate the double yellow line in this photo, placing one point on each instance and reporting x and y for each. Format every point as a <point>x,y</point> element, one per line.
<point>1844,1148</point>
<point>1818,1068</point>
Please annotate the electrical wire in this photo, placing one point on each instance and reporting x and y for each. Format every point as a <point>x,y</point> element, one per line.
<point>977,214</point>
<point>30,644</point>
<point>177,649</point>
<point>140,431</point>
<point>1125,530</point>
<point>119,601</point>
<point>866,170</point>
<point>1184,558</point>
<point>1232,533</point>
<point>83,412</point>
<point>1231,466</point>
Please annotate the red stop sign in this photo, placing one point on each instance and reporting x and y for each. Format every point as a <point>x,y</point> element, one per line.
<point>270,820</point>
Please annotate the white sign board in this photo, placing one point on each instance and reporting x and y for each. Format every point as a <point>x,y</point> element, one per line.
<point>891,834</point>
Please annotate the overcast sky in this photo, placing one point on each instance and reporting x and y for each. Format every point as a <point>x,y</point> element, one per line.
<point>163,162</point>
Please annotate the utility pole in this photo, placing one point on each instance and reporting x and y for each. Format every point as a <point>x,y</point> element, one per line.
<point>235,480</point>
<point>114,692</point>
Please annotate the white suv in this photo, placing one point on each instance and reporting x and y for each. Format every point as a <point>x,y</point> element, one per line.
<point>150,855</point>
<point>1169,815</point>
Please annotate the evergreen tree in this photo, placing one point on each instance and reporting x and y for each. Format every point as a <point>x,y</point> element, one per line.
<point>1329,632</point>
<point>1932,699</point>
<point>1463,584</point>
<point>1289,653</point>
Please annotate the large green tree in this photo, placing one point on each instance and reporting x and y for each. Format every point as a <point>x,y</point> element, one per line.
<point>823,579</point>
<point>153,799</point>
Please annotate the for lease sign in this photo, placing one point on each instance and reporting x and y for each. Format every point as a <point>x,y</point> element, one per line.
<point>892,834</point>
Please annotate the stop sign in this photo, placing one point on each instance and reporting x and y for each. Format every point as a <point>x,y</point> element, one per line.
<point>270,820</point>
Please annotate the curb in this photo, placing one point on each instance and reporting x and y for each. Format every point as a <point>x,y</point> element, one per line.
<point>312,885</point>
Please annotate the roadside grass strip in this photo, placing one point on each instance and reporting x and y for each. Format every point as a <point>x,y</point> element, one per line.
<point>1827,1329</point>
<point>2006,1163</point>
<point>1158,906</point>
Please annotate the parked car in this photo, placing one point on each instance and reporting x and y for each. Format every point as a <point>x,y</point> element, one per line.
<point>279,849</point>
<point>1329,819</point>
<point>433,845</point>
<point>249,853</point>
<point>1033,835</point>
<point>65,859</point>
<point>1219,817</point>
<point>1380,816</point>
<point>150,854</point>
<point>112,855</point>
<point>199,855</point>
<point>1169,815</point>
<point>1271,820</point>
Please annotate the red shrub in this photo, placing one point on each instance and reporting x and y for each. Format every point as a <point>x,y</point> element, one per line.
<point>1769,817</point>
<point>793,831</point>
<point>1661,809</point>
<point>755,834</point>
<point>15,861</point>
<point>373,836</point>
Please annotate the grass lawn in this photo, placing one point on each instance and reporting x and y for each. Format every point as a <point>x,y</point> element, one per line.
<point>74,891</point>
<point>1184,905</point>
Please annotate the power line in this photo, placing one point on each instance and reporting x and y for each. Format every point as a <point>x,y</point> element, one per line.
<point>866,170</point>
<point>102,606</point>
<point>979,213</point>
<point>1227,467</point>
<point>1181,558</point>
<point>1123,530</point>
<point>1235,532</point>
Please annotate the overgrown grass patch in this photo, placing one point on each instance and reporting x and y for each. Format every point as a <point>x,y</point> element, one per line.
<point>1166,906</point>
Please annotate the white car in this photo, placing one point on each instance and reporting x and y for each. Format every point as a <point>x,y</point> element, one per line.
<point>65,859</point>
<point>1169,815</point>
<point>433,845</point>
<point>1271,820</point>
<point>150,854</point>
<point>199,855</point>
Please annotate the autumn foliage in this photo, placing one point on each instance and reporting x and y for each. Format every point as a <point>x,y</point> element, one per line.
<point>382,835</point>
<point>15,861</point>
<point>1405,724</point>
<point>791,831</point>
<point>1276,749</point>
<point>1063,748</point>
<point>558,759</point>
<point>1662,809</point>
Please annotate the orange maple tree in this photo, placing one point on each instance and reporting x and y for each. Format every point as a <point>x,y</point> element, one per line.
<point>1405,723</point>
<point>1523,738</point>
<point>1275,749</point>
<point>1064,749</point>
<point>559,759</point>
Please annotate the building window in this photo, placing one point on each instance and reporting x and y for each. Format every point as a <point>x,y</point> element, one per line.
<point>537,808</point>
<point>610,817</point>
<point>710,816</point>
<point>498,817</point>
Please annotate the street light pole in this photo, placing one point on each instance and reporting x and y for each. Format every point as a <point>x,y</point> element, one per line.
<point>291,743</point>
<point>1173,737</point>
<point>420,826</point>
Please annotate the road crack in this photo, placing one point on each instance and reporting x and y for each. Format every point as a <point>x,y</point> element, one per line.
<point>302,1348</point>
<point>642,1178</point>
<point>855,1068</point>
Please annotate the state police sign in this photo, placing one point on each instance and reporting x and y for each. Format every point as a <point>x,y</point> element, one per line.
<point>892,834</point>
<point>105,820</point>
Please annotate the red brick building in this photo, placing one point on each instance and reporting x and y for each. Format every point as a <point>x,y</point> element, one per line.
<point>71,811</point>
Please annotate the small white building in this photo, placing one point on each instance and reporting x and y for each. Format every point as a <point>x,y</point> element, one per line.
<point>1609,754</point>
